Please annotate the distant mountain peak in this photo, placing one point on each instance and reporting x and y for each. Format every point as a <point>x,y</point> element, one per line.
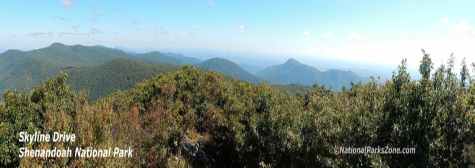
<point>294,72</point>
<point>11,51</point>
<point>228,68</point>
<point>292,61</point>
<point>57,44</point>
<point>220,62</point>
<point>217,59</point>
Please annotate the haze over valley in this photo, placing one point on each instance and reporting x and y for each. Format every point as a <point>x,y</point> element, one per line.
<point>100,70</point>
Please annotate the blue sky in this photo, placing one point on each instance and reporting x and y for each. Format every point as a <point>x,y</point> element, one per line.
<point>380,32</point>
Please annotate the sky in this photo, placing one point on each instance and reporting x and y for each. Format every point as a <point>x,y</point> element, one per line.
<point>360,31</point>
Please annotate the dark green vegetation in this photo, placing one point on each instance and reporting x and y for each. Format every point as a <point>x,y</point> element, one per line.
<point>22,70</point>
<point>115,75</point>
<point>24,73</point>
<point>228,68</point>
<point>90,67</point>
<point>197,118</point>
<point>294,72</point>
<point>166,58</point>
<point>294,89</point>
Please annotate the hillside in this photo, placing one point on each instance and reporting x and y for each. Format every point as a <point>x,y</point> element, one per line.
<point>195,118</point>
<point>166,58</point>
<point>75,55</point>
<point>24,69</point>
<point>294,72</point>
<point>118,74</point>
<point>26,73</point>
<point>228,68</point>
<point>61,55</point>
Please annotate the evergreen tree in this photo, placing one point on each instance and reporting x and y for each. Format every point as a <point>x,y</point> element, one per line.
<point>464,74</point>
<point>425,66</point>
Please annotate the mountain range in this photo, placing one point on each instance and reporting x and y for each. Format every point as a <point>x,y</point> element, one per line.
<point>294,72</point>
<point>228,68</point>
<point>24,69</point>
<point>166,58</point>
<point>101,70</point>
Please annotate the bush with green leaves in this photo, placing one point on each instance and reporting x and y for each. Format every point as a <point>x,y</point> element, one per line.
<point>194,118</point>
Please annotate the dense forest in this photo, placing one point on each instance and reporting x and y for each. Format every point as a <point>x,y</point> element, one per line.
<point>88,67</point>
<point>21,70</point>
<point>117,74</point>
<point>196,118</point>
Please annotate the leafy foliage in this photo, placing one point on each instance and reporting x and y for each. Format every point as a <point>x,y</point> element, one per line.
<point>115,75</point>
<point>194,118</point>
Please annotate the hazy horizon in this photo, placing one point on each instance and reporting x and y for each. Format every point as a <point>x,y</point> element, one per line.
<point>363,33</point>
<point>254,62</point>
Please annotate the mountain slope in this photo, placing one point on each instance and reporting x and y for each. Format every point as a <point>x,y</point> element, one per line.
<point>26,73</point>
<point>291,72</point>
<point>167,58</point>
<point>228,68</point>
<point>24,69</point>
<point>76,55</point>
<point>118,74</point>
<point>294,72</point>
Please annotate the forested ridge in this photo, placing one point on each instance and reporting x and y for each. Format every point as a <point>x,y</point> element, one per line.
<point>196,118</point>
<point>117,74</point>
<point>294,72</point>
<point>21,70</point>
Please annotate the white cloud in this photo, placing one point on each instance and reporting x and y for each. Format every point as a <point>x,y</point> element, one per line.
<point>390,49</point>
<point>463,29</point>
<point>444,20</point>
<point>306,33</point>
<point>327,36</point>
<point>353,36</point>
